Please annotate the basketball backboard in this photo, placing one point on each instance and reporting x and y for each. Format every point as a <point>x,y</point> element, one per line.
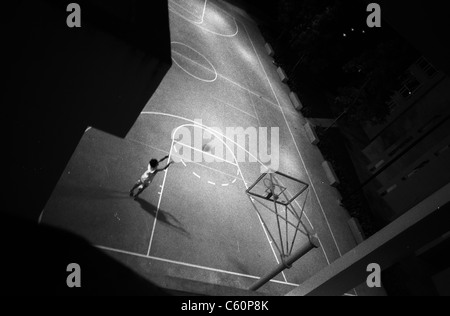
<point>277,187</point>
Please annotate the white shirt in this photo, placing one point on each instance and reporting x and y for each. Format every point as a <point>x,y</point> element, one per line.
<point>148,176</point>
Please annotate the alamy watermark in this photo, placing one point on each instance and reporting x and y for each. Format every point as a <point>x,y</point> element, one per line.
<point>374,18</point>
<point>197,143</point>
<point>374,278</point>
<point>73,280</point>
<point>74,18</point>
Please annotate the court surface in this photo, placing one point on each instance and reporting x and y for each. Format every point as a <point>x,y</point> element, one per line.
<point>195,220</point>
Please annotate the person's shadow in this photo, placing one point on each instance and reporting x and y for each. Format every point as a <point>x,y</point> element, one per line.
<point>163,216</point>
<point>99,193</point>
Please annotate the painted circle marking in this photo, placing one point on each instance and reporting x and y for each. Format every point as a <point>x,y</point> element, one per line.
<point>198,67</point>
<point>195,174</point>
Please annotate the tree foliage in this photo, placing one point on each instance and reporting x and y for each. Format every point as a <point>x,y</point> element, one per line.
<point>381,67</point>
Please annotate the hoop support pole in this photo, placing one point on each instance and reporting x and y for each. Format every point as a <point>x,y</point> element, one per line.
<point>313,242</point>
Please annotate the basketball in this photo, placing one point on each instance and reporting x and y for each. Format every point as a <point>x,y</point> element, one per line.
<point>206,147</point>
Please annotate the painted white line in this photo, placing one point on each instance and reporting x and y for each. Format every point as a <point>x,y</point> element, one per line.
<point>295,143</point>
<point>247,18</point>
<point>266,233</point>
<point>215,170</point>
<point>196,163</point>
<point>309,222</point>
<point>223,10</point>
<point>190,265</point>
<point>159,203</point>
<point>193,61</point>
<point>216,74</point>
<point>213,70</point>
<point>225,184</point>
<point>199,25</point>
<point>250,96</point>
<point>196,175</point>
<point>275,106</point>
<point>234,181</point>
<point>207,154</point>
<point>204,10</point>
<point>236,108</point>
<point>254,107</point>
<point>214,132</point>
<point>256,113</point>
<point>218,135</point>
<point>199,126</point>
<point>186,10</point>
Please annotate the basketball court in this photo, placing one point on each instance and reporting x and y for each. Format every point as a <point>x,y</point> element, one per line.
<point>215,220</point>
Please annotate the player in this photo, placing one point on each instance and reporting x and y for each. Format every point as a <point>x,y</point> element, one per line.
<point>148,176</point>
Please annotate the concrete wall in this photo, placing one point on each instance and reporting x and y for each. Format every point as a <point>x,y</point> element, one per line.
<point>411,126</point>
<point>406,151</point>
<point>404,104</point>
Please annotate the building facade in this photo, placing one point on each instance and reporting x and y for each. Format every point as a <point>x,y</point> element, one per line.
<point>408,154</point>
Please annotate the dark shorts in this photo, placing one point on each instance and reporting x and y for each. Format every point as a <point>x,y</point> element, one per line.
<point>142,184</point>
